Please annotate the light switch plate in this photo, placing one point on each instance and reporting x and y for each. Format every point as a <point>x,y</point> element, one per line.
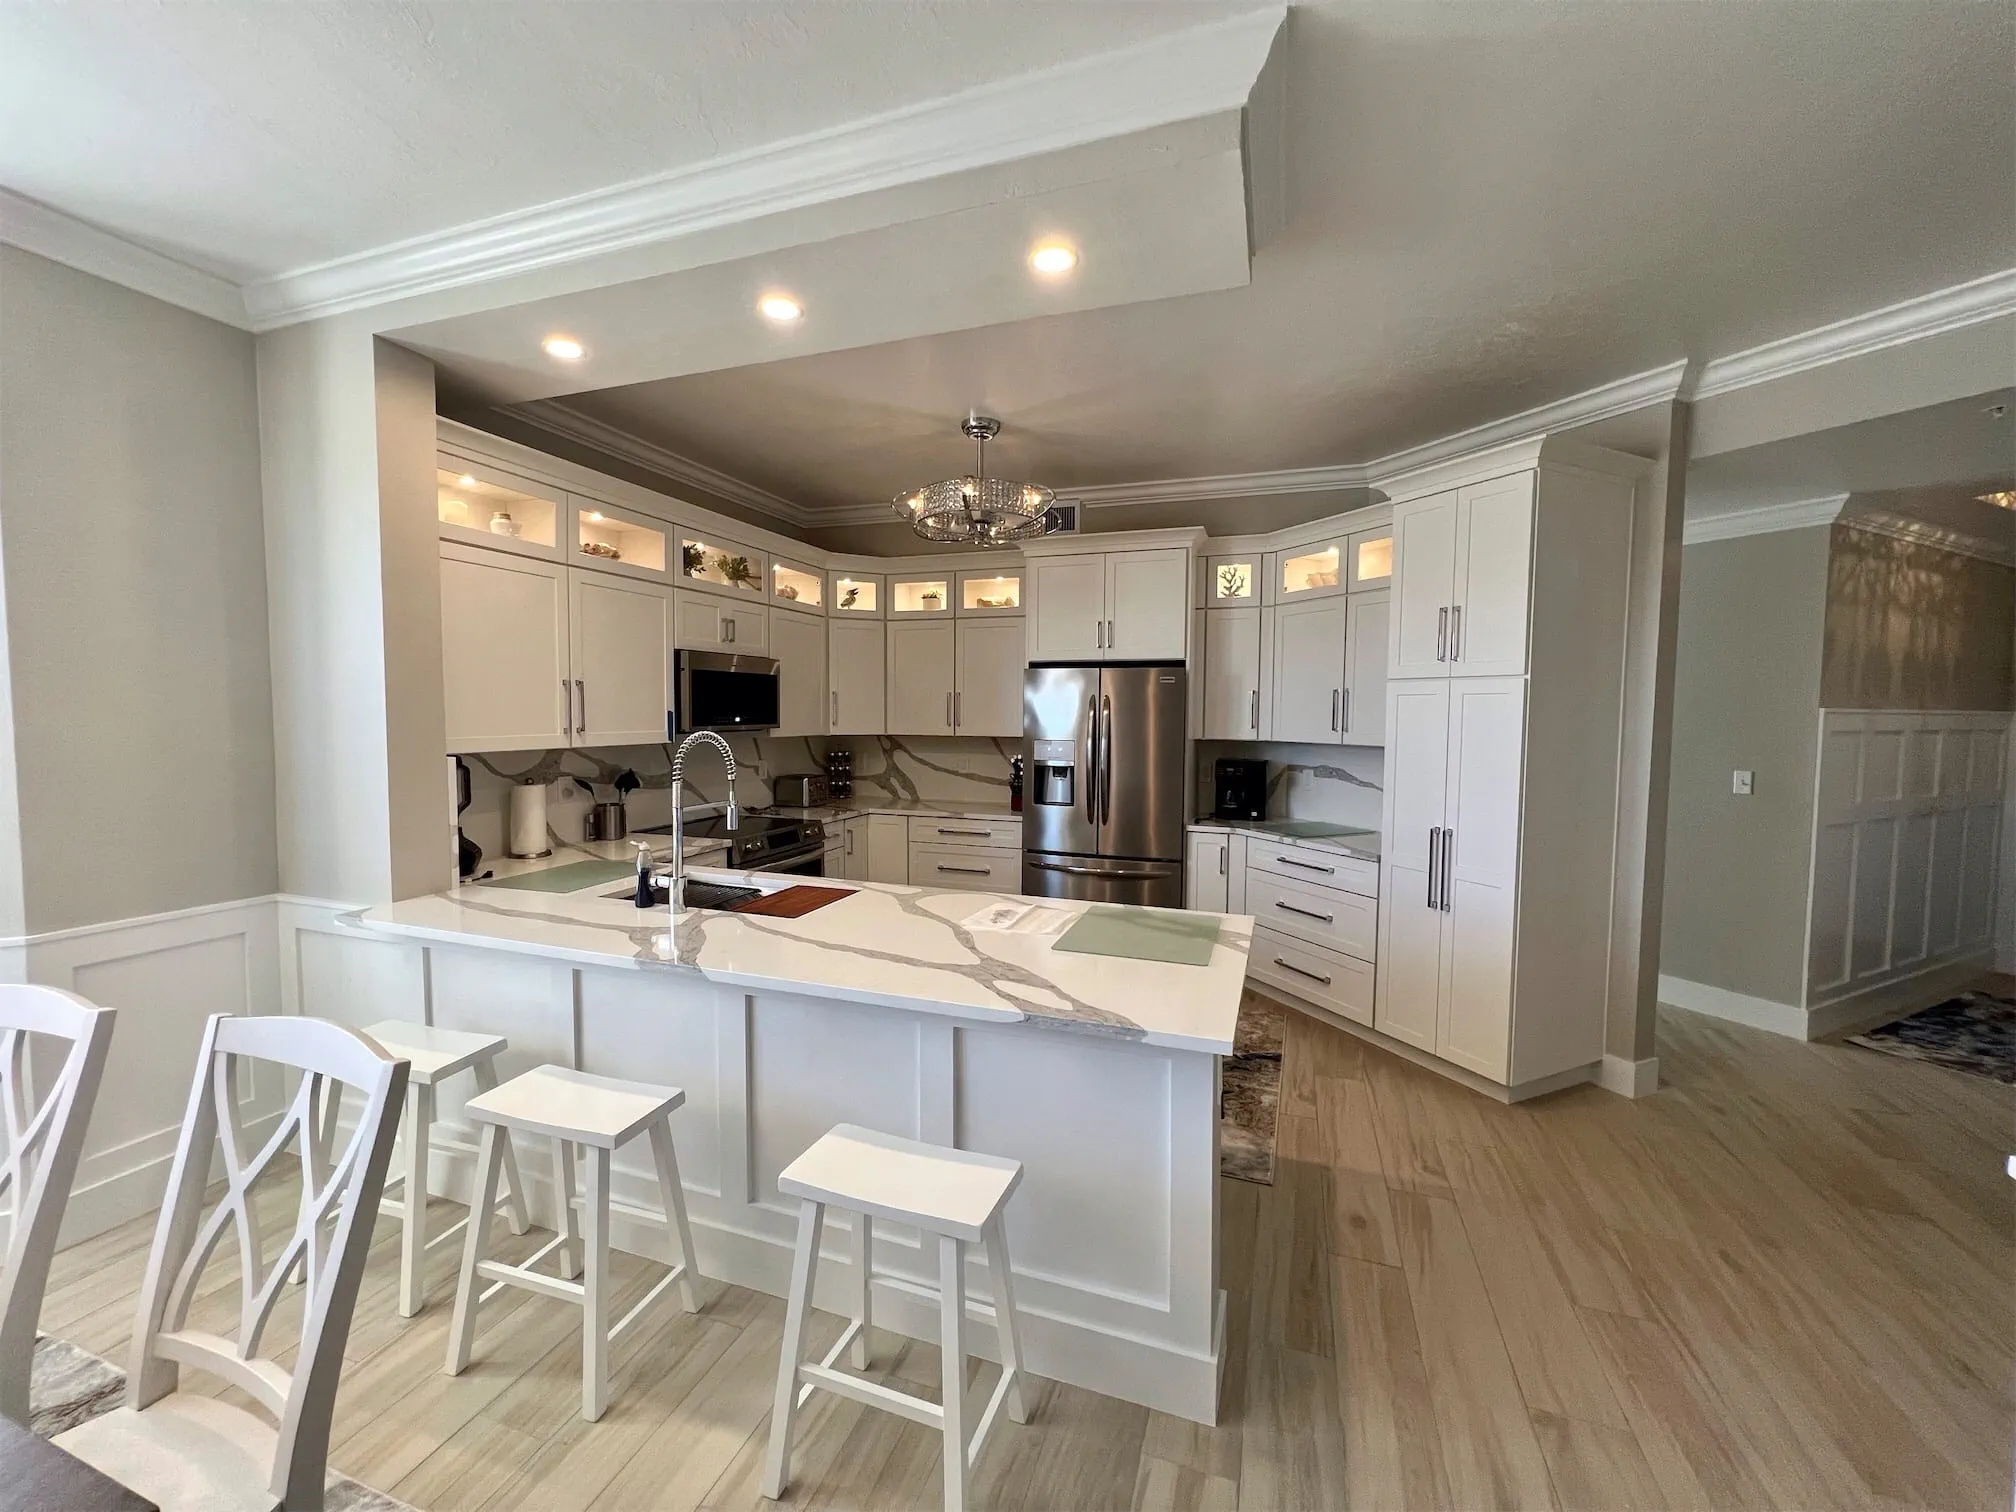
<point>1742,782</point>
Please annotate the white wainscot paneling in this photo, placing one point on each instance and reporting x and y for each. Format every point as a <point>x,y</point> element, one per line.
<point>527,999</point>
<point>632,1027</point>
<point>1907,830</point>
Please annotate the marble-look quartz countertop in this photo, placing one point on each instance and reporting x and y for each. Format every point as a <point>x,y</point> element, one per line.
<point>1360,844</point>
<point>567,852</point>
<point>904,947</point>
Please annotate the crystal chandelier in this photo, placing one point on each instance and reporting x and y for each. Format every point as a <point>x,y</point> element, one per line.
<point>976,510</point>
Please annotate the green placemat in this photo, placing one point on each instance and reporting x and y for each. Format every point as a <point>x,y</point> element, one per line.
<point>569,878</point>
<point>1142,935</point>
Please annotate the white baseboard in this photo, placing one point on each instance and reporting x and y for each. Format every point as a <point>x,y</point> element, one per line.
<point>1628,1078</point>
<point>1890,1000</point>
<point>1788,1019</point>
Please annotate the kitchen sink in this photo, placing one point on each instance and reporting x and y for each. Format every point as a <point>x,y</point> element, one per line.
<point>711,895</point>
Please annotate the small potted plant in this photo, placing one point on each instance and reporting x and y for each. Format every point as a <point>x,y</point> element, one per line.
<point>692,559</point>
<point>736,570</point>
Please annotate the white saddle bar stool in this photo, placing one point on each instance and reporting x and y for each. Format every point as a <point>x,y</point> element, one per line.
<point>435,1055</point>
<point>954,1194</point>
<point>597,1113</point>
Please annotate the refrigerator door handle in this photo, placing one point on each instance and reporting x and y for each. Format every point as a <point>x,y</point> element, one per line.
<point>1092,761</point>
<point>1106,759</point>
<point>1095,871</point>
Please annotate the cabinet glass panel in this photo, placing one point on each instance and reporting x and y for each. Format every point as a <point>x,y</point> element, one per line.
<point>485,505</point>
<point>725,566</point>
<point>614,538</point>
<point>1372,560</point>
<point>857,595</point>
<point>1310,571</point>
<point>1232,581</point>
<point>1001,593</point>
<point>799,585</point>
<point>920,595</point>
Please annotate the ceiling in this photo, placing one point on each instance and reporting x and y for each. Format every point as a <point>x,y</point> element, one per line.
<point>251,139</point>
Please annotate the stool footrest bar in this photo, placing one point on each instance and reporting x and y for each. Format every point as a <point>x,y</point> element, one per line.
<point>874,1394</point>
<point>646,1300</point>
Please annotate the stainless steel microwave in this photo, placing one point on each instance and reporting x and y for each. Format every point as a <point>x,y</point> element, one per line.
<point>718,691</point>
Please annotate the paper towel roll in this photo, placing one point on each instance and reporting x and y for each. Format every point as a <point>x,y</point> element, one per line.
<point>528,821</point>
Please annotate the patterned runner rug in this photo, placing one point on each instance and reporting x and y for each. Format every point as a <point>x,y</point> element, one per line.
<point>1974,1032</point>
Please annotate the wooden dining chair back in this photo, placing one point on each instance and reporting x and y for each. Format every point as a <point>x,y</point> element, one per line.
<point>331,1234</point>
<point>41,1141</point>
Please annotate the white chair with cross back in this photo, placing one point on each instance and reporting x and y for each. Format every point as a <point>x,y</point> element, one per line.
<point>181,1449</point>
<point>40,1143</point>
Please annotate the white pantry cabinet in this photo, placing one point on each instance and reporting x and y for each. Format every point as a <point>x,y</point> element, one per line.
<point>798,641</point>
<point>1463,580</point>
<point>856,684</point>
<point>1092,606</point>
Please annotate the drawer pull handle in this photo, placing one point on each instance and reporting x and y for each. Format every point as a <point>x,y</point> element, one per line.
<point>975,834</point>
<point>1306,865</point>
<point>971,871</point>
<point>1306,913</point>
<point>1291,966</point>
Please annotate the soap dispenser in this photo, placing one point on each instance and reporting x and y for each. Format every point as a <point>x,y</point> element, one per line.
<point>646,896</point>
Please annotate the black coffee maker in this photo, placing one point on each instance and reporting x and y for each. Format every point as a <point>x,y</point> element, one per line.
<point>1240,789</point>
<point>468,854</point>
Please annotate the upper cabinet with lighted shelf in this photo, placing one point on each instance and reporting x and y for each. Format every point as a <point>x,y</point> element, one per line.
<point>793,586</point>
<point>990,592</point>
<point>617,541</point>
<point>855,595</point>
<point>1233,582</point>
<point>719,565</point>
<point>920,595</point>
<point>481,505</point>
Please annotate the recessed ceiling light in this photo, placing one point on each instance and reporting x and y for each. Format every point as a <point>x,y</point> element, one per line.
<point>594,517</point>
<point>779,307</point>
<point>467,480</point>
<point>2003,500</point>
<point>1053,258</point>
<point>566,348</point>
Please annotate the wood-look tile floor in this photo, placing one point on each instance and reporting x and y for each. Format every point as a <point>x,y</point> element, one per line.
<point>1784,1281</point>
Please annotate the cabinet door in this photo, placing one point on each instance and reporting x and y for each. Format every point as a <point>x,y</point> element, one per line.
<point>1148,605</point>
<point>1205,863</point>
<point>1231,674</point>
<point>504,663</point>
<point>1309,671</point>
<point>1487,742</point>
<point>1424,580</point>
<point>988,695</point>
<point>1067,619</point>
<point>920,677</point>
<point>747,627</point>
<point>854,683</point>
<point>855,857</point>
<point>1365,654</point>
<point>621,646</point>
<point>888,848</point>
<point>1493,583</point>
<point>1410,930</point>
<point>798,641</point>
<point>699,621</point>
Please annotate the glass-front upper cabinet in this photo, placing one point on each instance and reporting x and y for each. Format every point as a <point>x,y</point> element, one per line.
<point>990,592</point>
<point>1312,570</point>
<point>912,596</point>
<point>1232,582</point>
<point>489,507</point>
<point>720,564</point>
<point>854,593</point>
<point>609,538</point>
<point>1371,557</point>
<point>801,587</point>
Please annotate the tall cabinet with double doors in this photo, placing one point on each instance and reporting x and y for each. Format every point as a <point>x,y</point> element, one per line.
<point>1502,717</point>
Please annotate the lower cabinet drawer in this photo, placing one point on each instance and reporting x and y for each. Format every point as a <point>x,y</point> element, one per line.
<point>966,870</point>
<point>1328,978</point>
<point>1305,863</point>
<point>1319,915</point>
<point>993,834</point>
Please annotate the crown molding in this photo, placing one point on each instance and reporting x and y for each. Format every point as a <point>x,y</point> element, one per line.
<point>1912,320</point>
<point>1196,72</point>
<point>1224,486</point>
<point>558,419</point>
<point>48,232</point>
<point>1922,533</point>
<point>1764,519</point>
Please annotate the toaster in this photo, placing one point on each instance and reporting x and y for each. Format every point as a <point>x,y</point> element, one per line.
<point>801,790</point>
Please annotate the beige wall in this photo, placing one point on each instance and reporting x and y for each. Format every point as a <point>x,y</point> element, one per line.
<point>1746,695</point>
<point>142,745</point>
<point>1913,626</point>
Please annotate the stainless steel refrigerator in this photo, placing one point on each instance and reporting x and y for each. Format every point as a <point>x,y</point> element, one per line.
<point>1102,818</point>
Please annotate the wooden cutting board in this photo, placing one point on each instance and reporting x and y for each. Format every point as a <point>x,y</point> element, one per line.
<point>793,902</point>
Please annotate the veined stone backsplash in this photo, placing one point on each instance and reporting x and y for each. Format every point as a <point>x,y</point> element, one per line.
<point>1337,784</point>
<point>941,768</point>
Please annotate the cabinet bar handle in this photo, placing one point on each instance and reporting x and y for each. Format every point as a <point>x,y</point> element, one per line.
<point>1099,630</point>
<point>1442,634</point>
<point>958,710</point>
<point>1347,708</point>
<point>1223,851</point>
<point>1307,913</point>
<point>1109,635</point>
<point>948,711</point>
<point>836,706</point>
<point>1256,711</point>
<point>971,871</point>
<point>566,709</point>
<point>1313,976</point>
<point>975,834</point>
<point>1335,700</point>
<point>581,696</point>
<point>1448,860</point>
<point>1434,861</point>
<point>1305,865</point>
<point>1456,633</point>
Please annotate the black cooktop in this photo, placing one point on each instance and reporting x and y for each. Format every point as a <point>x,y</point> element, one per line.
<point>761,840</point>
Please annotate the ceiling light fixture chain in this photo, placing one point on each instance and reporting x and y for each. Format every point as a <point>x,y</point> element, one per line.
<point>976,510</point>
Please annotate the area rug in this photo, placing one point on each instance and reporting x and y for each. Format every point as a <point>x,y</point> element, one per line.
<point>71,1386</point>
<point>1250,1092</point>
<point>1974,1032</point>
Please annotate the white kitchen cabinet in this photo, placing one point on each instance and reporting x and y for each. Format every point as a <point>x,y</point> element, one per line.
<point>990,592</point>
<point>1369,555</point>
<point>1110,606</point>
<point>798,641</point>
<point>1314,569</point>
<point>888,845</point>
<point>1365,654</point>
<point>703,622</point>
<point>1410,945</point>
<point>854,849</point>
<point>1206,867</point>
<point>857,682</point>
<point>921,669</point>
<point>1067,600</point>
<point>507,683</point>
<point>1462,580</point>
<point>1424,585</point>
<point>987,691</point>
<point>1233,582</point>
<point>1231,680</point>
<point>620,647</point>
<point>1309,636</point>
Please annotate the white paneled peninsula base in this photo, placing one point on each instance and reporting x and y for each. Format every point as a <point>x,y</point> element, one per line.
<point>886,1009</point>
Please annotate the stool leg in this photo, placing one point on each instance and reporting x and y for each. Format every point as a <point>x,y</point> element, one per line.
<point>514,1196</point>
<point>567,1224</point>
<point>673,1195</point>
<point>952,1360</point>
<point>413,1225</point>
<point>777,1464</point>
<point>475,1247</point>
<point>864,1244</point>
<point>595,1296</point>
<point>1004,1317</point>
